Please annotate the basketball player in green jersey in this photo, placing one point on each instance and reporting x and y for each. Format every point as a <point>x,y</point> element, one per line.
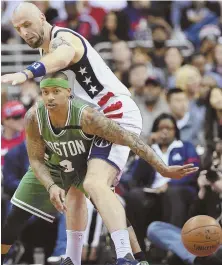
<point>59,134</point>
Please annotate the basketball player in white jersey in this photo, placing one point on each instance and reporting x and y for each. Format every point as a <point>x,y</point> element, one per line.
<point>91,80</point>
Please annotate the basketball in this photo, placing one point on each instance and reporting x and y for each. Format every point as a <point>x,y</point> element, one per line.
<point>201,235</point>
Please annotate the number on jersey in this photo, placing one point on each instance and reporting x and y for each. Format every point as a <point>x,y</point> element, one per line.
<point>67,166</point>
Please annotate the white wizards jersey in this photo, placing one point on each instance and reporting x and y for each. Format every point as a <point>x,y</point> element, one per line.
<point>90,78</point>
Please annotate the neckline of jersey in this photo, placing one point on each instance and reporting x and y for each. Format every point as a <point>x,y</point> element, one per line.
<point>66,124</point>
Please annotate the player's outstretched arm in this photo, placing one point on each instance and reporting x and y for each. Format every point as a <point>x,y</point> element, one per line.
<point>36,152</point>
<point>93,122</point>
<point>61,53</point>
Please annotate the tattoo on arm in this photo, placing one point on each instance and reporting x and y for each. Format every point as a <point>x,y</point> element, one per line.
<point>55,43</point>
<point>36,148</point>
<point>94,122</point>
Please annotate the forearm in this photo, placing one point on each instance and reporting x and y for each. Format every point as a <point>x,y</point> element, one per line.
<point>41,172</point>
<point>146,152</point>
<point>95,123</point>
<point>55,61</point>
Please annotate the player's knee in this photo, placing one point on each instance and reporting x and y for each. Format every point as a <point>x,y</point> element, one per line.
<point>92,186</point>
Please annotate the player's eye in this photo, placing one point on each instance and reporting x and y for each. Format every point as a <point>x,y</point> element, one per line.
<point>45,92</point>
<point>26,25</point>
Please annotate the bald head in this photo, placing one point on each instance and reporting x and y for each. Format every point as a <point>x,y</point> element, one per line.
<point>29,22</point>
<point>26,8</point>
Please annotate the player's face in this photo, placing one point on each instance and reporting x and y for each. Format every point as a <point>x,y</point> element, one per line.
<point>30,29</point>
<point>55,98</point>
<point>166,132</point>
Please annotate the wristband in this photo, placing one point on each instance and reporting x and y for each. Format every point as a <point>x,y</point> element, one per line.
<point>49,187</point>
<point>37,69</point>
<point>23,72</point>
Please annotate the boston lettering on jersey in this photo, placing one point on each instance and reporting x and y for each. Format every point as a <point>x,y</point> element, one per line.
<point>67,149</point>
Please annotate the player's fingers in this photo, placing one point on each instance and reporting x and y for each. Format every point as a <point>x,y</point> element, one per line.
<point>57,203</point>
<point>62,198</point>
<point>190,171</point>
<point>187,166</point>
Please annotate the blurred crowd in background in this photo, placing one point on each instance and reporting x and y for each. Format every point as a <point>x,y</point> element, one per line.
<point>169,55</point>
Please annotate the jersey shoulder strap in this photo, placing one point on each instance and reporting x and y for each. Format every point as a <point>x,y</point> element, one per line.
<point>40,114</point>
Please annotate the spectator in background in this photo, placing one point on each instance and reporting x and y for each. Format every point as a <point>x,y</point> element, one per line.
<point>207,83</point>
<point>173,59</point>
<point>189,126</point>
<point>194,18</point>
<point>50,13</point>
<point>198,60</point>
<point>213,119</point>
<point>140,55</point>
<point>151,104</point>
<point>188,78</point>
<point>122,59</point>
<point>97,13</point>
<point>168,237</point>
<point>208,40</point>
<point>168,199</point>
<point>83,24</point>
<point>114,28</point>
<point>139,27</point>
<point>217,66</point>
<point>159,36</point>
<point>137,77</point>
<point>12,115</point>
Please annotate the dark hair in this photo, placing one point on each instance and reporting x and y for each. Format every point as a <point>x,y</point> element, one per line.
<point>172,91</point>
<point>122,29</point>
<point>210,118</point>
<point>133,66</point>
<point>165,116</point>
<point>56,75</point>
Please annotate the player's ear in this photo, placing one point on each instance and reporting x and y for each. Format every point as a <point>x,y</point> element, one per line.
<point>69,92</point>
<point>42,17</point>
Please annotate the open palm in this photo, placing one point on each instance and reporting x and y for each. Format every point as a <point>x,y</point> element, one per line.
<point>177,172</point>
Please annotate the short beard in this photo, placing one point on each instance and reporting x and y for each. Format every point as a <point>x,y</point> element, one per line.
<point>39,42</point>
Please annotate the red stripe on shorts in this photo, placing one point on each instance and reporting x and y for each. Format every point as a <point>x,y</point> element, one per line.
<point>105,99</point>
<point>112,107</point>
<point>115,116</point>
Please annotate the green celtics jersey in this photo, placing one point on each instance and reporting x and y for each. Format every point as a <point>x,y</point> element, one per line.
<point>66,151</point>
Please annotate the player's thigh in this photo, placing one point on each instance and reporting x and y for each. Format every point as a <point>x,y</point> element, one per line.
<point>100,171</point>
<point>107,160</point>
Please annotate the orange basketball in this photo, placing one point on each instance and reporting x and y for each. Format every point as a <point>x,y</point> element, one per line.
<point>201,235</point>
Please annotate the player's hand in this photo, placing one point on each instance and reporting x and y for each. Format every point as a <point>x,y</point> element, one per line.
<point>57,197</point>
<point>13,79</point>
<point>177,172</point>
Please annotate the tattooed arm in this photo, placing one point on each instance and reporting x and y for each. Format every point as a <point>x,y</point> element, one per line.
<point>36,149</point>
<point>93,122</point>
<point>36,152</point>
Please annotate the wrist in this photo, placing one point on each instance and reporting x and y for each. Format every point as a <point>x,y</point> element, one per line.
<point>49,186</point>
<point>37,69</point>
<point>28,73</point>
